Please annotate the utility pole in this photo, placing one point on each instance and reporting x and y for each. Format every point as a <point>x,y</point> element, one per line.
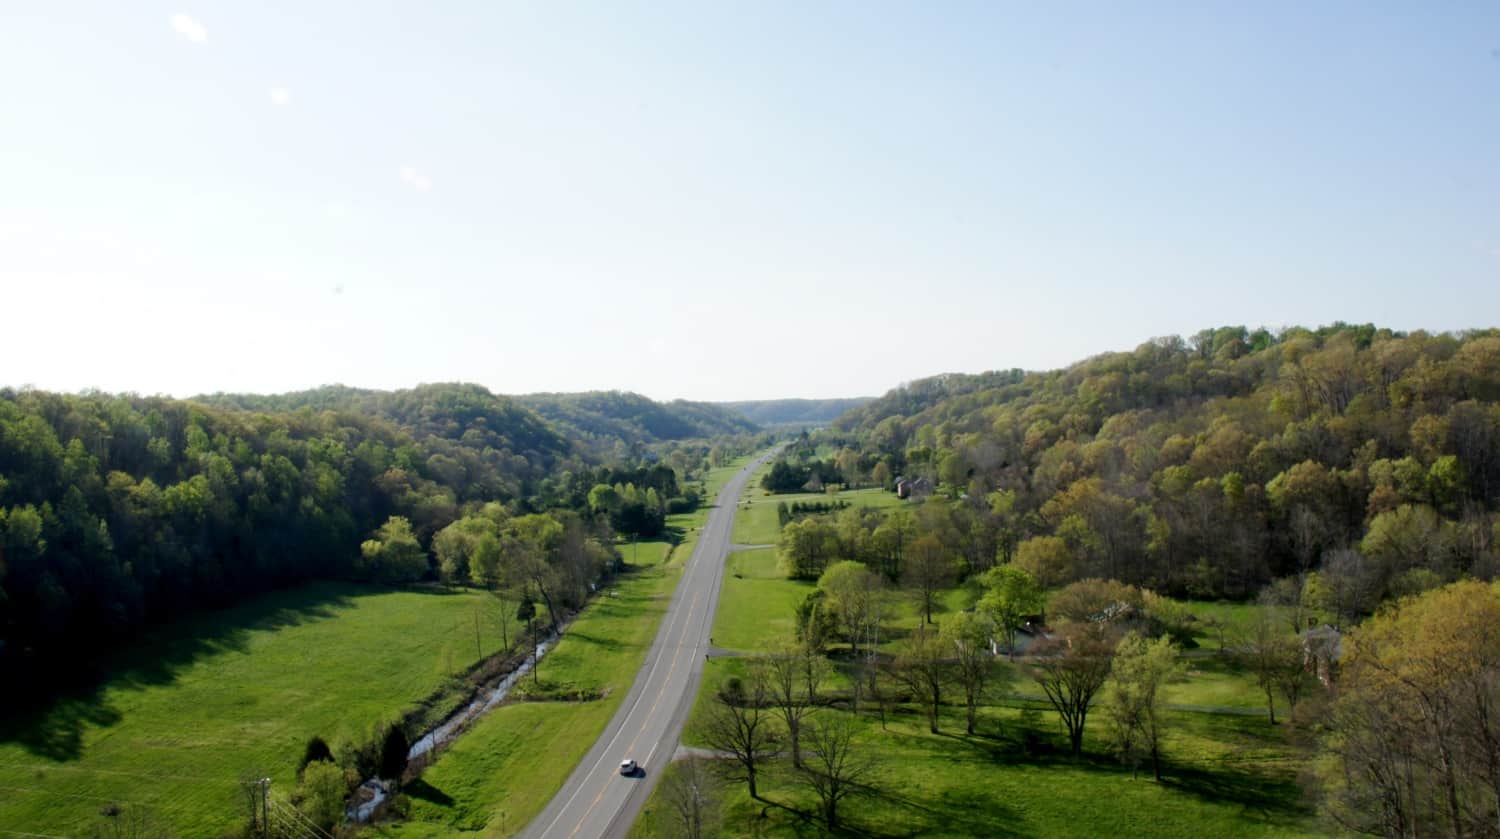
<point>265,807</point>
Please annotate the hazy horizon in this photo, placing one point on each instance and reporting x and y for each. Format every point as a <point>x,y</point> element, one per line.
<point>659,398</point>
<point>724,204</point>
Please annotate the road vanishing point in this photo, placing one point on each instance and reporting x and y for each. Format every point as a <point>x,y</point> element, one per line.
<point>597,801</point>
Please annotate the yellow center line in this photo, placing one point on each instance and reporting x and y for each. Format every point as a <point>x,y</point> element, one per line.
<point>676,655</point>
<point>668,680</point>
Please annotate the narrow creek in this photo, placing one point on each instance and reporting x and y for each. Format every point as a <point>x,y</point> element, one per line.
<point>482,704</point>
<point>455,724</point>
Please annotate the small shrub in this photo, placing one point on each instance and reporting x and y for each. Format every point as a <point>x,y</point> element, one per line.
<point>321,794</point>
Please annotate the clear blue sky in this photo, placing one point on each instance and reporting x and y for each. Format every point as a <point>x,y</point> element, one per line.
<point>720,201</point>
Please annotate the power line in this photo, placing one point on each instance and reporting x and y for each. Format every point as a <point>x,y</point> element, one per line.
<point>295,823</point>
<point>296,814</point>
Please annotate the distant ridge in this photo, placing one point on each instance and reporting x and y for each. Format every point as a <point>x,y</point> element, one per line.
<point>795,412</point>
<point>601,417</point>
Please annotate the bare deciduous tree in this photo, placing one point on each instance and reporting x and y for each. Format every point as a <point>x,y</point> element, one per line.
<point>835,768</point>
<point>930,570</point>
<point>1071,668</point>
<point>923,670</point>
<point>1274,657</point>
<point>693,792</point>
<point>966,636</point>
<point>793,675</point>
<point>739,725</point>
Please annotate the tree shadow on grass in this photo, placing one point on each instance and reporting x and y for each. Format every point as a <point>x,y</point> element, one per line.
<point>420,789</point>
<point>63,698</point>
<point>56,733</point>
<point>955,811</point>
<point>612,644</point>
<point>1273,799</point>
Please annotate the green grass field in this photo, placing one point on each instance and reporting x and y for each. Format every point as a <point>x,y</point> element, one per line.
<point>1226,776</point>
<point>194,706</point>
<point>1227,773</point>
<point>756,602</point>
<point>757,524</point>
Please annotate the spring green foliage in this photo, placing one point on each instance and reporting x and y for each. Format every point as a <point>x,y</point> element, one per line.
<point>807,547</point>
<point>1214,465</point>
<point>966,639</point>
<point>1412,742</point>
<point>1010,596</point>
<point>1134,699</point>
<point>394,555</point>
<point>852,593</point>
<point>321,792</point>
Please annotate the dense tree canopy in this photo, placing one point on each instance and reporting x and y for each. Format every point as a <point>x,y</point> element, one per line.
<point>1213,465</point>
<point>118,510</point>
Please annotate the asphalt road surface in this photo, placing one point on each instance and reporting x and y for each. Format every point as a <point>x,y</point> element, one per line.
<point>597,800</point>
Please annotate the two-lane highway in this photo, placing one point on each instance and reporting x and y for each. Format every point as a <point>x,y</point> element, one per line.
<point>597,801</point>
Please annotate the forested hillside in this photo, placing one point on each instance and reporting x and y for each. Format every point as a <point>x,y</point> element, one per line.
<point>611,420</point>
<point>465,413</point>
<point>116,511</point>
<point>121,511</point>
<point>794,412</point>
<point>1213,465</point>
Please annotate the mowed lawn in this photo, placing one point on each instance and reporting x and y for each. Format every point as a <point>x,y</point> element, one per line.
<point>757,524</point>
<point>1226,776</point>
<point>196,706</point>
<point>757,603</point>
